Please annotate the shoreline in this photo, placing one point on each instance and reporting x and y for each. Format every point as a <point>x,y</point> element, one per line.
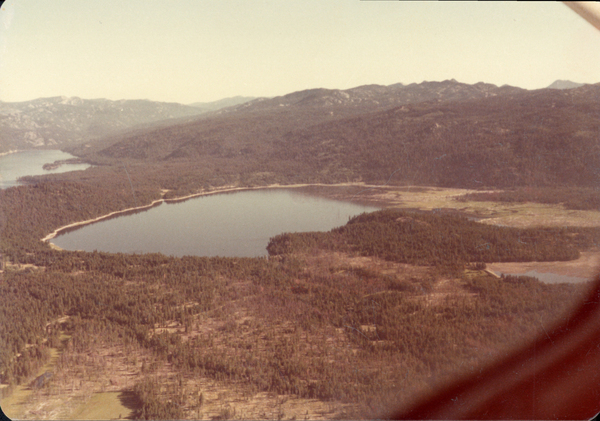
<point>191,196</point>
<point>10,152</point>
<point>586,266</point>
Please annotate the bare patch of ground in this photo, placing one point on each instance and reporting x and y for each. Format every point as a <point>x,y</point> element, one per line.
<point>105,406</point>
<point>222,401</point>
<point>21,266</point>
<point>19,403</point>
<point>445,291</point>
<point>338,261</point>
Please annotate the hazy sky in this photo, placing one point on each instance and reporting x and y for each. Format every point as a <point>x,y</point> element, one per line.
<point>203,50</point>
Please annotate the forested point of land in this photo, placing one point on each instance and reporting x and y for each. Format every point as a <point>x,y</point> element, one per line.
<point>440,240</point>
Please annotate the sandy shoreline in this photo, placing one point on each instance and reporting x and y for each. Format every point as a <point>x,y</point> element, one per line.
<point>10,152</point>
<point>191,196</point>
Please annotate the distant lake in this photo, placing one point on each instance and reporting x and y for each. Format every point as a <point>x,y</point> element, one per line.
<point>237,224</point>
<point>20,164</point>
<point>549,277</point>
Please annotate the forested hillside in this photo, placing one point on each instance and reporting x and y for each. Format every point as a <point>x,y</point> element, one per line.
<point>497,137</point>
<point>250,128</point>
<point>544,137</point>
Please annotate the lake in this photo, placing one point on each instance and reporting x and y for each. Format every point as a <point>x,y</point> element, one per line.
<point>20,164</point>
<point>582,269</point>
<point>237,224</point>
<point>549,277</point>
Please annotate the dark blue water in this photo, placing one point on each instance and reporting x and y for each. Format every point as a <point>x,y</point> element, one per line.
<point>236,224</point>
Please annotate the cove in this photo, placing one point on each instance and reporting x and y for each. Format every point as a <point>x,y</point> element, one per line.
<point>237,224</point>
<point>23,163</point>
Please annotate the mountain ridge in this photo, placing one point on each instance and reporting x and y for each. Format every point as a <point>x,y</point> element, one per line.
<point>222,103</point>
<point>234,129</point>
<point>461,136</point>
<point>380,96</point>
<point>564,84</point>
<point>57,121</point>
<point>61,121</point>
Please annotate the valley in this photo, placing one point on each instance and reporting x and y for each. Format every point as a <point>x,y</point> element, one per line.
<point>351,322</point>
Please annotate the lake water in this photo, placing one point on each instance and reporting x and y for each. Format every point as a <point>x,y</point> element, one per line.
<point>20,164</point>
<point>236,224</point>
<point>549,277</point>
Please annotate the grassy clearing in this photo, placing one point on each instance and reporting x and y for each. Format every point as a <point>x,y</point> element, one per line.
<point>535,214</point>
<point>107,406</point>
<point>14,406</point>
<point>496,213</point>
